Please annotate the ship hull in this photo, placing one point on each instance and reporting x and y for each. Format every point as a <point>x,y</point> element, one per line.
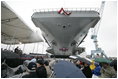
<point>65,32</point>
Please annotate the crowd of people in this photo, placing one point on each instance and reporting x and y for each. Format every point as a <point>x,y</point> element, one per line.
<point>97,70</point>
<point>29,69</point>
<point>40,68</point>
<point>36,68</point>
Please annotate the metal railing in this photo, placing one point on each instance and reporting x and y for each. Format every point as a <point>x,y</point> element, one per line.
<point>66,9</point>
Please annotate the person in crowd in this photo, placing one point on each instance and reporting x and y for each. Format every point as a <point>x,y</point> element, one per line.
<point>16,50</point>
<point>23,68</point>
<point>97,56</point>
<point>86,70</point>
<point>81,66</point>
<point>32,71</point>
<point>26,63</point>
<point>41,70</point>
<point>20,52</point>
<point>114,64</point>
<point>20,70</point>
<point>97,69</point>
<point>51,64</point>
<point>92,66</point>
<point>37,58</point>
<point>33,60</point>
<point>41,58</point>
<point>107,71</point>
<point>46,64</point>
<point>77,63</point>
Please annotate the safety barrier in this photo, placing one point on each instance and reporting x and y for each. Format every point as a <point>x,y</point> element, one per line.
<point>66,9</point>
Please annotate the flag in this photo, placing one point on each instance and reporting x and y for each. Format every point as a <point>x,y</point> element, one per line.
<point>62,11</point>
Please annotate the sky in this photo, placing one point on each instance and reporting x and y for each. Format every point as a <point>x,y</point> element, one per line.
<point>107,34</point>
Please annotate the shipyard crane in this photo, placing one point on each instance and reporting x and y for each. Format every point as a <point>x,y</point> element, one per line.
<point>97,50</point>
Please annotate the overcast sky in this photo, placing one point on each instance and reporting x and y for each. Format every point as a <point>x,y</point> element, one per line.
<point>107,34</point>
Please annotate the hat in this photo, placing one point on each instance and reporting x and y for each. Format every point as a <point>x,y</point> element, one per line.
<point>46,63</point>
<point>41,62</point>
<point>32,66</point>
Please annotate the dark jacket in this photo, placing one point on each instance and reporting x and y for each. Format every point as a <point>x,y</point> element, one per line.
<point>31,75</point>
<point>114,64</point>
<point>41,72</point>
<point>96,71</point>
<point>87,72</point>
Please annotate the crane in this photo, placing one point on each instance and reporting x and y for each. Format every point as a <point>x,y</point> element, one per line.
<point>94,35</point>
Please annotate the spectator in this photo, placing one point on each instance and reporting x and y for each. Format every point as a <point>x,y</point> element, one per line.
<point>96,71</point>
<point>97,56</point>
<point>23,68</point>
<point>114,64</point>
<point>33,60</point>
<point>92,66</point>
<point>46,64</point>
<point>86,70</point>
<point>26,63</point>
<point>32,71</point>
<point>41,70</point>
<point>16,50</point>
<point>107,71</point>
<point>77,63</point>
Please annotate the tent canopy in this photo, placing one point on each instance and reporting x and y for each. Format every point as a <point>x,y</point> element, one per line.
<point>14,30</point>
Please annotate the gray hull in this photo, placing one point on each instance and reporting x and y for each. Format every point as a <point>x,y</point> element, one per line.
<point>62,32</point>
